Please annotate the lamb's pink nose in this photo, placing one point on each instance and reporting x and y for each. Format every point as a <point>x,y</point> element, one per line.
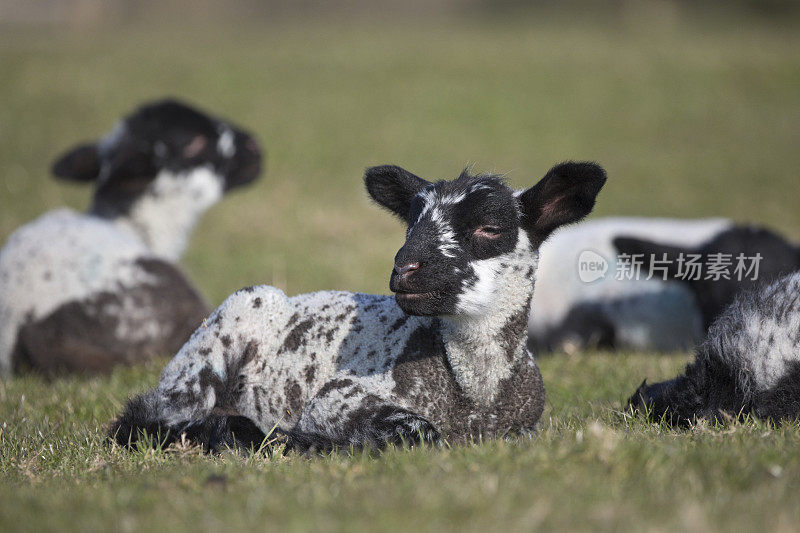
<point>406,269</point>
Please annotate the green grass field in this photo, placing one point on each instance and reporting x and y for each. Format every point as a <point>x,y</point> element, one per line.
<point>690,119</point>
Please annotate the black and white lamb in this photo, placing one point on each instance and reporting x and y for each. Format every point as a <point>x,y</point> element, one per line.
<point>749,364</point>
<point>776,258</point>
<point>575,312</point>
<point>85,291</point>
<point>445,357</point>
<point>665,313</point>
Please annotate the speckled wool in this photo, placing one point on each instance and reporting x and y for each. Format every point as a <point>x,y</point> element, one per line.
<point>749,362</point>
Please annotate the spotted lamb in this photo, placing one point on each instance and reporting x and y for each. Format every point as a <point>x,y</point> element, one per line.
<point>445,357</point>
<point>748,364</point>
<point>85,291</point>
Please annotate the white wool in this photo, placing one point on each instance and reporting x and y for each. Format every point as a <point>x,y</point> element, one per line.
<point>675,323</point>
<point>62,256</point>
<point>170,208</point>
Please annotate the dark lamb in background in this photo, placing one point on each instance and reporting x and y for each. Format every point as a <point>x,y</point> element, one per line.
<point>657,314</point>
<point>749,363</point>
<point>86,291</point>
<point>446,357</point>
<point>778,258</point>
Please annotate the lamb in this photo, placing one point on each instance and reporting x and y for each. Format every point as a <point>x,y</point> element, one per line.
<point>766,256</point>
<point>575,312</point>
<point>749,364</point>
<point>85,291</point>
<point>446,357</point>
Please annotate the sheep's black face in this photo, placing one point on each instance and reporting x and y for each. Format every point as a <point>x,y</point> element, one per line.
<point>455,228</point>
<point>462,233</point>
<point>165,136</point>
<point>180,138</point>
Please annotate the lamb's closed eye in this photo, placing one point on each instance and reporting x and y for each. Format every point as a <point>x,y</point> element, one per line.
<point>488,232</point>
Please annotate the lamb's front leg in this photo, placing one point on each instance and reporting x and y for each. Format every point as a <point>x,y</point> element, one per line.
<point>199,413</point>
<point>207,390</point>
<point>346,413</point>
<point>199,395</point>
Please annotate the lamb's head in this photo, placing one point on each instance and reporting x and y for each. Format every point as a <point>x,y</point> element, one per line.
<point>464,234</point>
<point>164,148</point>
<point>750,256</point>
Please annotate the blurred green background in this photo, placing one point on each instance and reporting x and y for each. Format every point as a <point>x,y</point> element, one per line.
<point>693,108</point>
<point>694,112</point>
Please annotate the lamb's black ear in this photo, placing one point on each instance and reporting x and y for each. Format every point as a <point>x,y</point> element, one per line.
<point>81,163</point>
<point>648,251</point>
<point>126,174</point>
<point>565,194</point>
<point>393,188</point>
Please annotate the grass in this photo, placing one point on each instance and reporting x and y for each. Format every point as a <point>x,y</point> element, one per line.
<point>692,119</point>
<point>589,467</point>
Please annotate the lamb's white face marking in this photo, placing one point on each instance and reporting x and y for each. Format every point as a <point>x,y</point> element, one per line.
<point>225,144</point>
<point>428,197</point>
<point>166,213</point>
<point>448,246</point>
<point>481,297</point>
<point>450,199</point>
<point>447,239</point>
<point>477,298</point>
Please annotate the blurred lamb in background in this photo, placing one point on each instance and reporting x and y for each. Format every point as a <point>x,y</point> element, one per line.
<point>776,258</point>
<point>86,291</point>
<point>576,308</point>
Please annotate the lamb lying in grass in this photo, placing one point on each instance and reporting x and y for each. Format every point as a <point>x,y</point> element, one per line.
<point>748,364</point>
<point>86,291</point>
<point>446,357</point>
<point>574,312</point>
